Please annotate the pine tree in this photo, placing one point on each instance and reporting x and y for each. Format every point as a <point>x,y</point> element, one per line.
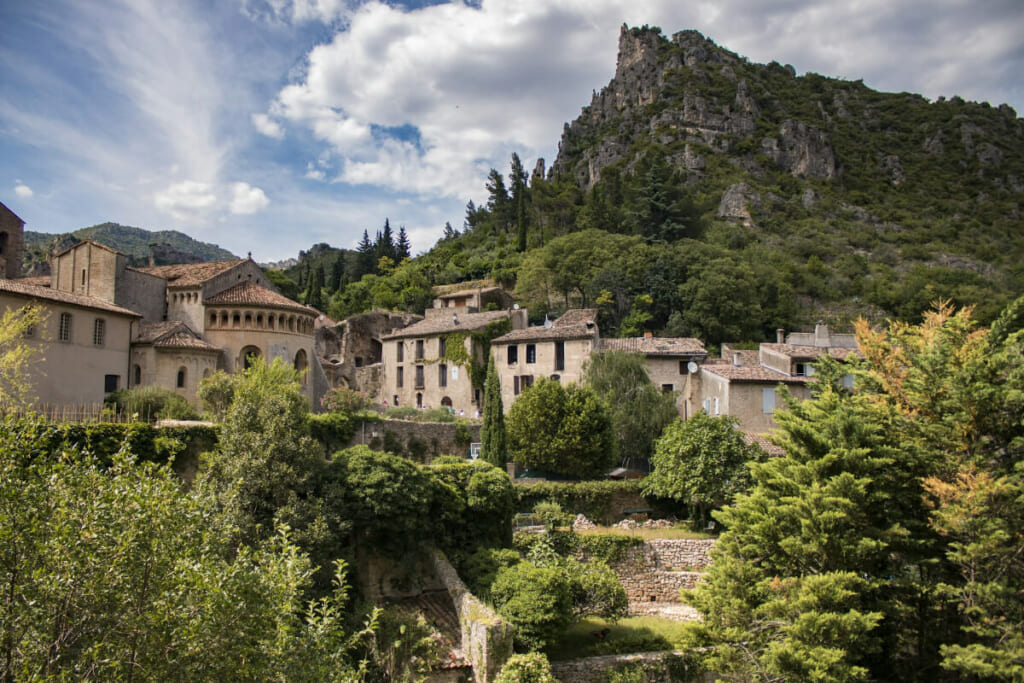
<point>367,257</point>
<point>314,294</point>
<point>518,179</point>
<point>449,231</point>
<point>386,242</point>
<point>337,281</point>
<point>403,249</point>
<point>493,447</point>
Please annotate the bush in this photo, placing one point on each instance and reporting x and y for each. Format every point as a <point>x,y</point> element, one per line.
<point>536,600</point>
<point>333,430</point>
<point>345,400</point>
<point>598,500</point>
<point>152,403</point>
<point>532,667</point>
<point>216,393</point>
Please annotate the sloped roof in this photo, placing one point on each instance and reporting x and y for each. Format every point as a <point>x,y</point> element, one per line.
<point>801,351</point>
<point>766,445</point>
<point>37,280</point>
<point>466,286</point>
<point>93,243</point>
<point>576,323</point>
<point>445,325</point>
<point>8,210</point>
<point>47,294</point>
<point>656,346</point>
<point>757,373</point>
<point>250,294</point>
<point>171,334</point>
<point>190,274</point>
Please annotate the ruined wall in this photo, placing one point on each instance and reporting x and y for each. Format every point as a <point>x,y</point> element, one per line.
<point>658,667</point>
<point>433,438</point>
<point>486,638</point>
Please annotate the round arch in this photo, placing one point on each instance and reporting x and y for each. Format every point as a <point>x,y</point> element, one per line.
<point>247,355</point>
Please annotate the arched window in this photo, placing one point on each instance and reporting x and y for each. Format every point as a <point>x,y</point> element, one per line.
<point>236,320</point>
<point>248,320</point>
<point>181,377</point>
<point>223,318</point>
<point>302,364</point>
<point>248,354</point>
<point>3,242</point>
<point>270,322</point>
<point>213,319</point>
<point>446,402</point>
<point>136,375</point>
<point>259,321</point>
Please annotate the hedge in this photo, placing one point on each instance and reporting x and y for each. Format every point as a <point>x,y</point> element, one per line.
<point>600,501</point>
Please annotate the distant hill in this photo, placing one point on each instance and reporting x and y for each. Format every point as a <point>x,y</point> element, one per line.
<point>166,247</point>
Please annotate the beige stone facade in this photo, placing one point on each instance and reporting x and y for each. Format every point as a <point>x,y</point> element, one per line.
<point>11,243</point>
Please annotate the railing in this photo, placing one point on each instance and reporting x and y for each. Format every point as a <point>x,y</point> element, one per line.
<point>86,414</point>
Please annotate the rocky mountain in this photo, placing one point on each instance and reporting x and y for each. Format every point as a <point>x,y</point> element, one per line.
<point>164,247</point>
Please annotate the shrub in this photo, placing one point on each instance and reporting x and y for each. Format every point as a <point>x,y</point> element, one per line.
<point>598,500</point>
<point>216,393</point>
<point>532,667</point>
<point>536,600</point>
<point>333,430</point>
<point>345,400</point>
<point>152,403</point>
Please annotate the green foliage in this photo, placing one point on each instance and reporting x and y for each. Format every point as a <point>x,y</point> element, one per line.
<point>335,430</point>
<point>639,410</point>
<point>561,430</point>
<point>152,403</point>
<point>598,500</point>
<point>216,393</point>
<point>345,400</point>
<point>493,444</point>
<point>531,667</point>
<point>536,600</point>
<point>489,500</point>
<point>702,461</point>
<point>116,572</point>
<point>135,242</point>
<point>17,353</point>
<point>287,286</point>
<point>403,648</point>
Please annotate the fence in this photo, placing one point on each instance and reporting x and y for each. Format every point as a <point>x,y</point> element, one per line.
<point>84,414</point>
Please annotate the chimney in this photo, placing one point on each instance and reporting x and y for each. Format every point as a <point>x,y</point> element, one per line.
<point>736,358</point>
<point>648,335</point>
<point>780,336</point>
<point>822,337</point>
<point>152,261</point>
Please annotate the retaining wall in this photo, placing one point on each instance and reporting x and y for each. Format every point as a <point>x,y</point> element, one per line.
<point>656,571</point>
<point>420,441</point>
<point>659,667</point>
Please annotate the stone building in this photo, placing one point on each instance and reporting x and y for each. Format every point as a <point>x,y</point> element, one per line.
<point>672,362</point>
<point>166,326</point>
<point>11,243</point>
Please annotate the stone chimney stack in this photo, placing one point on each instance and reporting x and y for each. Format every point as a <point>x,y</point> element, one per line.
<point>780,336</point>
<point>822,338</point>
<point>648,335</point>
<point>736,358</point>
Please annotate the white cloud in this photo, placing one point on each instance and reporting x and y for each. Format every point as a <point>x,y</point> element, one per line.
<point>246,199</point>
<point>267,126</point>
<point>314,173</point>
<point>23,190</point>
<point>298,11</point>
<point>185,199</point>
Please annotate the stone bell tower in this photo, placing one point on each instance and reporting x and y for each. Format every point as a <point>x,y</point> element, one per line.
<point>12,240</point>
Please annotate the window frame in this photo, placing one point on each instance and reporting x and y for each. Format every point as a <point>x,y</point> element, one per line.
<point>99,332</point>
<point>64,327</point>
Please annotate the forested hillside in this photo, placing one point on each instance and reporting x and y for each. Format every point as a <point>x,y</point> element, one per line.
<point>703,194</point>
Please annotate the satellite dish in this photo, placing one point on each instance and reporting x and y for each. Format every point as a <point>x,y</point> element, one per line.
<point>515,307</point>
<point>691,367</point>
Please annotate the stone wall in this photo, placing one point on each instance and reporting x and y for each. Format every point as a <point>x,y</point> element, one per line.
<point>659,667</point>
<point>486,639</point>
<point>656,571</point>
<point>422,441</point>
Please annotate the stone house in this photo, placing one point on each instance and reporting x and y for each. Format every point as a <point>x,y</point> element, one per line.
<point>557,349</point>
<point>672,362</point>
<point>744,383</point>
<point>430,363</point>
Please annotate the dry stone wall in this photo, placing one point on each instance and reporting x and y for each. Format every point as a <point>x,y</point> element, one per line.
<point>422,441</point>
<point>657,570</point>
<point>658,667</point>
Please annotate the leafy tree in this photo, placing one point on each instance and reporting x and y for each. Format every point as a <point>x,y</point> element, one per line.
<point>536,600</point>
<point>639,410</point>
<point>287,286</point>
<point>18,352</point>
<point>561,430</point>
<point>518,178</point>
<point>720,303</point>
<point>701,462</point>
<point>493,446</point>
<point>449,232</point>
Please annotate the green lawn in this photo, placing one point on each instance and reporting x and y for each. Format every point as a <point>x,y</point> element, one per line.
<point>633,634</point>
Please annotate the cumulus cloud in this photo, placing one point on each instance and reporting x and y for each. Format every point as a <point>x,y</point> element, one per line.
<point>23,190</point>
<point>267,126</point>
<point>185,199</point>
<point>298,11</point>
<point>246,199</point>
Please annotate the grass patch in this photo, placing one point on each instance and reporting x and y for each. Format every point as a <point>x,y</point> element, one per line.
<point>633,634</point>
<point>648,534</point>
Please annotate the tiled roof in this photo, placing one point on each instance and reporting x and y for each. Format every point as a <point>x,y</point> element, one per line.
<point>45,293</point>
<point>747,356</point>
<point>577,323</point>
<point>190,274</point>
<point>656,346</point>
<point>757,373</point>
<point>445,324</point>
<point>251,294</point>
<point>93,243</point>
<point>171,334</point>
<point>37,281</point>
<point>467,286</point>
<point>766,445</point>
<point>800,351</point>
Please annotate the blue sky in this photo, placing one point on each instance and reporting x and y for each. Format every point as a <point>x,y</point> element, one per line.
<point>271,125</point>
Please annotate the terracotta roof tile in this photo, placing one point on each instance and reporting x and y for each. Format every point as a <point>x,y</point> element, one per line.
<point>467,286</point>
<point>45,293</point>
<point>577,323</point>
<point>800,351</point>
<point>150,332</point>
<point>171,334</point>
<point>190,274</point>
<point>184,340</point>
<point>37,281</point>
<point>758,373</point>
<point>250,294</point>
<point>445,324</point>
<point>656,346</point>
<point>766,445</point>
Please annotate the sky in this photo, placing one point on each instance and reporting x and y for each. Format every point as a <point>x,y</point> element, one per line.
<point>267,126</point>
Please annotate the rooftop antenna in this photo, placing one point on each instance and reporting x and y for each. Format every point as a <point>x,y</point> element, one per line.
<point>547,322</point>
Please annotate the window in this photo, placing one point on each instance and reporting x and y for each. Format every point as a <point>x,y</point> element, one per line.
<point>531,353</point>
<point>419,400</point>
<point>768,400</point>
<point>667,388</point>
<point>442,375</point>
<point>83,277</point>
<point>419,349</point>
<point>419,377</point>
<point>400,350</point>
<point>110,383</point>
<point>521,383</point>
<point>714,404</point>
<point>801,369</point>
<point>137,373</point>
<point>513,355</point>
<point>560,355</point>
<point>181,378</point>
<point>99,328</point>
<point>64,329</point>
<point>400,379</point>
<point>683,370</point>
<point>847,382</point>
<point>442,347</point>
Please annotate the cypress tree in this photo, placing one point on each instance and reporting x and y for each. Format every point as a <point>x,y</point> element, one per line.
<point>403,249</point>
<point>492,432</point>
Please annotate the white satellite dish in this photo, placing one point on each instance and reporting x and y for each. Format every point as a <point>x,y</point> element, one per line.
<point>515,307</point>
<point>691,367</point>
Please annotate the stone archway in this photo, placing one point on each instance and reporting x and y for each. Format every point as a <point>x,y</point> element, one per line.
<point>247,355</point>
<point>301,364</point>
